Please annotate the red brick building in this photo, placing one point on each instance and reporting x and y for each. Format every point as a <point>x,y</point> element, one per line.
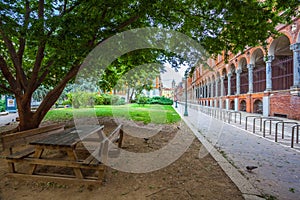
<point>257,81</point>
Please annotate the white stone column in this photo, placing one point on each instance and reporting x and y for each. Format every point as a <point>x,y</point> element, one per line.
<point>212,89</point>
<point>229,84</point>
<point>250,77</point>
<point>268,61</point>
<point>222,85</point>
<point>227,104</point>
<point>236,104</point>
<point>217,85</point>
<point>207,90</point>
<point>238,81</point>
<point>266,106</point>
<point>296,64</point>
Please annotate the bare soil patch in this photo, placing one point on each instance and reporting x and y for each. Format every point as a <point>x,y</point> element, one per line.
<point>190,177</point>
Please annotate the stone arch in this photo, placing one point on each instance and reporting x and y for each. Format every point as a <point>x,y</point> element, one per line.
<point>225,82</point>
<point>233,79</point>
<point>259,70</point>
<point>257,55</point>
<point>258,106</point>
<point>282,65</point>
<point>219,84</point>
<point>242,63</point>
<point>277,43</point>
<point>208,87</point>
<point>213,85</point>
<point>223,104</point>
<point>243,105</point>
<point>231,105</point>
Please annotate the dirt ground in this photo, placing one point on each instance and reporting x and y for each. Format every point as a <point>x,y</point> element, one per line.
<point>189,177</point>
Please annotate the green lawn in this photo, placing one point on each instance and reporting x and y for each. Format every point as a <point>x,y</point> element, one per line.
<point>159,114</point>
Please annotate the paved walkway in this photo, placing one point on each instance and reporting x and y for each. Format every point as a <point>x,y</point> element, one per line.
<point>5,119</point>
<point>278,172</point>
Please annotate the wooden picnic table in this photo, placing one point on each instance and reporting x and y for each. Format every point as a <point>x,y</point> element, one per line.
<point>66,141</point>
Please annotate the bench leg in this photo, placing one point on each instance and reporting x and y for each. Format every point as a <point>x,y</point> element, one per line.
<point>101,173</point>
<point>11,167</point>
<point>37,154</point>
<point>77,171</point>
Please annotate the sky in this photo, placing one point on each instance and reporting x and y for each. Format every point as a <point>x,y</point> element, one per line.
<point>170,74</point>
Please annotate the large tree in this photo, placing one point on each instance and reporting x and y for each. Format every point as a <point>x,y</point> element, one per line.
<point>45,42</point>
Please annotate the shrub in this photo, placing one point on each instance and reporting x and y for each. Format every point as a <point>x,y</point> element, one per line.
<point>99,99</point>
<point>155,100</point>
<point>2,105</point>
<point>142,100</point>
<point>86,99</point>
<point>121,101</point>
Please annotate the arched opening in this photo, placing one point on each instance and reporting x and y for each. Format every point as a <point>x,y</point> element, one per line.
<point>243,105</point>
<point>231,105</point>
<point>259,71</point>
<point>224,104</point>
<point>225,82</point>
<point>208,87</point>
<point>213,85</point>
<point>258,106</point>
<point>219,84</point>
<point>232,80</point>
<point>243,76</point>
<point>282,65</point>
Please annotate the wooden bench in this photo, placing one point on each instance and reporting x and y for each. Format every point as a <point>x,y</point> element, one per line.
<point>21,140</point>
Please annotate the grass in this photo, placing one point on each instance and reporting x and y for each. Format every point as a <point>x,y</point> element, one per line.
<point>158,114</point>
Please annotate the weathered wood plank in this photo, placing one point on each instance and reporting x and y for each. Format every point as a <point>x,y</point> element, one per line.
<point>11,140</point>
<point>21,154</point>
<point>56,178</point>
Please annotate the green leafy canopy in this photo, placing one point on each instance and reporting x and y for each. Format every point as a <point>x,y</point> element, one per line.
<point>45,42</point>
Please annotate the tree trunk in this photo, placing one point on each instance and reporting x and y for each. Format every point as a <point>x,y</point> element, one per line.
<point>128,93</point>
<point>31,120</point>
<point>27,117</point>
<point>132,92</point>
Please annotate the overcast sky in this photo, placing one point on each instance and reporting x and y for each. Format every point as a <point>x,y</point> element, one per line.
<point>170,74</point>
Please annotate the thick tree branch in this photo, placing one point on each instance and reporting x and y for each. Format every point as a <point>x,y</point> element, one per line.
<point>41,9</point>
<point>127,22</point>
<point>13,54</point>
<point>7,89</point>
<point>54,94</point>
<point>7,74</point>
<point>43,76</point>
<point>37,64</point>
<point>22,40</point>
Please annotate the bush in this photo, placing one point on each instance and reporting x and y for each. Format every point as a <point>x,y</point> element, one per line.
<point>83,99</point>
<point>142,100</point>
<point>99,99</point>
<point>121,101</point>
<point>155,100</point>
<point>2,105</point>
<point>160,100</point>
<point>86,99</point>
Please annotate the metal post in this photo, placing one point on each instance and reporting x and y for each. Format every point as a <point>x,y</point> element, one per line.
<point>185,108</point>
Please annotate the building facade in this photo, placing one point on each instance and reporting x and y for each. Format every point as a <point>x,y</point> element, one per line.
<point>261,80</point>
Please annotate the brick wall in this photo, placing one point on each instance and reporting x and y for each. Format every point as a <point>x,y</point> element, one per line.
<point>286,104</point>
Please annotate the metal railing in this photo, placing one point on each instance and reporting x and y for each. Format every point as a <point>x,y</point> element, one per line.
<point>293,131</point>
<point>276,128</point>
